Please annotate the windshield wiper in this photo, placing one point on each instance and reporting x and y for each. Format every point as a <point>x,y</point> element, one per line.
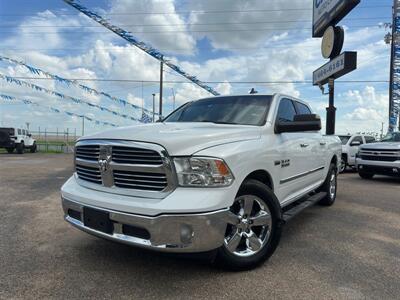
<point>218,122</point>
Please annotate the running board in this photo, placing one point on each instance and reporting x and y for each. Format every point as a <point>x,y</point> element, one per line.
<point>294,210</point>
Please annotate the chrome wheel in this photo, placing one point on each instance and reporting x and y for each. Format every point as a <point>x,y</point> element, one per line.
<point>332,186</point>
<point>249,226</point>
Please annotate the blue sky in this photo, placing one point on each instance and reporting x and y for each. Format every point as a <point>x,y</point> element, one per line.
<point>226,41</point>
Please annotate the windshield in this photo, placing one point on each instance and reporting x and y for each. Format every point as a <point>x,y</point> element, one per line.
<point>237,110</point>
<point>392,137</point>
<point>344,139</point>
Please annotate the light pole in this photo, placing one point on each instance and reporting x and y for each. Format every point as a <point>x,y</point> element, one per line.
<point>83,125</point>
<point>173,98</point>
<point>154,106</point>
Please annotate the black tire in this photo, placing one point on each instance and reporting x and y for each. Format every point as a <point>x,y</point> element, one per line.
<point>231,261</point>
<point>365,175</point>
<point>33,148</point>
<point>10,150</point>
<point>329,186</point>
<point>343,164</point>
<point>20,148</point>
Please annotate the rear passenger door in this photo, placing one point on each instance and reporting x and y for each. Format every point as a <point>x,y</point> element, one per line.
<point>316,149</point>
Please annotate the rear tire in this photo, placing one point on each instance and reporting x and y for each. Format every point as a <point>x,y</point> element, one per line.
<point>10,150</point>
<point>33,148</point>
<point>253,230</point>
<point>20,148</point>
<point>329,186</point>
<point>365,175</point>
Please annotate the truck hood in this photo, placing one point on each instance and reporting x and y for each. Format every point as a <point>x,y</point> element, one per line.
<point>382,146</point>
<point>182,138</point>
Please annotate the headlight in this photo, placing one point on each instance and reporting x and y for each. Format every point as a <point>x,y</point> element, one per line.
<point>202,172</point>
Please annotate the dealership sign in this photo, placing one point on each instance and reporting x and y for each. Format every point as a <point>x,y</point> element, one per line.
<point>337,67</point>
<point>330,12</point>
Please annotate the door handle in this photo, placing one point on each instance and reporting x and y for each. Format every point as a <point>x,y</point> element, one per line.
<point>304,145</point>
<point>322,143</point>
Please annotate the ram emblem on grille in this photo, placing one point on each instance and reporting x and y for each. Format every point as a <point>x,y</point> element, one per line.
<point>104,165</point>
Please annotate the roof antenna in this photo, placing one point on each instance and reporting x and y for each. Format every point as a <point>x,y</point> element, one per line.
<point>253,91</point>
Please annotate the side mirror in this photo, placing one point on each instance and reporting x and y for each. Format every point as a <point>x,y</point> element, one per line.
<point>353,144</point>
<point>30,135</point>
<point>308,122</point>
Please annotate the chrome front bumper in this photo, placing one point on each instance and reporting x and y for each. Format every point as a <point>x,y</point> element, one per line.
<point>169,233</point>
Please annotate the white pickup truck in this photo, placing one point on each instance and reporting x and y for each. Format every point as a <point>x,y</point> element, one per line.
<point>381,158</point>
<point>221,173</point>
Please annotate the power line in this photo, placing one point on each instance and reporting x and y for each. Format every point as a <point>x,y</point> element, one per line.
<point>304,29</point>
<point>210,82</point>
<point>186,24</point>
<point>203,11</point>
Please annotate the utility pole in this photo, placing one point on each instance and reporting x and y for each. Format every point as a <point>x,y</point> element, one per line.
<point>331,109</point>
<point>161,89</point>
<point>83,125</point>
<point>173,98</point>
<point>154,106</point>
<point>392,54</point>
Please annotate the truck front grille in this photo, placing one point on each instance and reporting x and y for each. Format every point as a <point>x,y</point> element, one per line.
<point>88,152</point>
<point>379,158</point>
<point>89,174</point>
<point>130,155</point>
<point>140,181</point>
<point>124,167</point>
<point>380,155</point>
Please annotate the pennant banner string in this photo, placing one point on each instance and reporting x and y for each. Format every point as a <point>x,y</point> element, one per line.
<point>26,101</point>
<point>62,96</point>
<point>141,45</point>
<point>87,89</point>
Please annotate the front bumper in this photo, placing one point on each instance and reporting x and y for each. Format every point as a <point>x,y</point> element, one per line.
<point>379,167</point>
<point>197,232</point>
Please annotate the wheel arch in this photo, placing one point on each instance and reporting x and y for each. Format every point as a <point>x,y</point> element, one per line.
<point>334,160</point>
<point>263,176</point>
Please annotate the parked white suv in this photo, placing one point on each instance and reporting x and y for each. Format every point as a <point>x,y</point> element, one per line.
<point>380,158</point>
<point>16,138</point>
<point>219,173</point>
<point>350,145</point>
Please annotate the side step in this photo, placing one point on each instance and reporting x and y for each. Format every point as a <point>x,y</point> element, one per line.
<point>294,209</point>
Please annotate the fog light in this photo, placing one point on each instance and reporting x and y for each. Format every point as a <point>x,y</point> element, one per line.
<point>360,166</point>
<point>186,234</point>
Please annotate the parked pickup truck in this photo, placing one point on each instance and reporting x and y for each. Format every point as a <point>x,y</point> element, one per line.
<point>380,158</point>
<point>350,145</point>
<point>221,173</point>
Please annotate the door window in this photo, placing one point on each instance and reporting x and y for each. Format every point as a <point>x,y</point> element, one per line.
<point>302,109</point>
<point>19,131</point>
<point>358,139</point>
<point>286,111</point>
<point>369,139</point>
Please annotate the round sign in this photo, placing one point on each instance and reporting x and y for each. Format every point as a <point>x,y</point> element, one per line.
<point>332,42</point>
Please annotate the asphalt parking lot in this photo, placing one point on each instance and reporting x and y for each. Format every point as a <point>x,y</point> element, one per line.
<point>348,251</point>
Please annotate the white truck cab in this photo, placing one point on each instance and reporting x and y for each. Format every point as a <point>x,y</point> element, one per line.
<point>350,145</point>
<point>16,139</point>
<point>222,173</point>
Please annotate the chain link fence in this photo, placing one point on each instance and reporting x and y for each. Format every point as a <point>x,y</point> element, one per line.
<point>56,141</point>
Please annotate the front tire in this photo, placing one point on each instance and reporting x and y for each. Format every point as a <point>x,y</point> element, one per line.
<point>33,148</point>
<point>254,228</point>
<point>329,186</point>
<point>365,175</point>
<point>20,148</point>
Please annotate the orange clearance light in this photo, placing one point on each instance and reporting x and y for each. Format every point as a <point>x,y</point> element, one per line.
<point>223,170</point>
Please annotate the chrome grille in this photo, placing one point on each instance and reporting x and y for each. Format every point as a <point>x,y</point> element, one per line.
<point>130,155</point>
<point>89,173</point>
<point>88,152</point>
<point>141,181</point>
<point>389,155</point>
<point>125,167</point>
